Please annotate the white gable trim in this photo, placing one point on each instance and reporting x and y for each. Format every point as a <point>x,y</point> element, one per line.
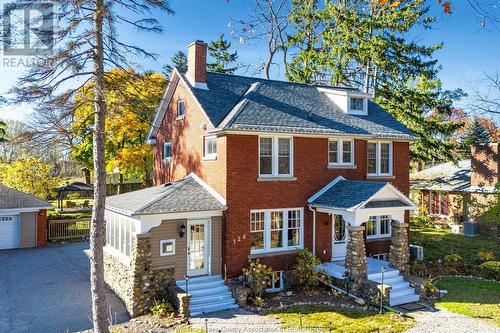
<point>161,112</point>
<point>398,193</point>
<point>207,187</point>
<point>324,189</point>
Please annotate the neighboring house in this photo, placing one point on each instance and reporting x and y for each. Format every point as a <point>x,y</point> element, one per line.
<point>249,168</point>
<point>23,219</point>
<point>459,192</point>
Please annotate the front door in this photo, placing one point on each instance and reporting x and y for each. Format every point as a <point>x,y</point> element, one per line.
<point>198,247</point>
<point>339,238</point>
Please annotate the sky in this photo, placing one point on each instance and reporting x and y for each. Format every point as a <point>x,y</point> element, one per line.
<point>469,50</point>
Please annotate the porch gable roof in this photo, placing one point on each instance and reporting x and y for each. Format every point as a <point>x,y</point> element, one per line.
<point>346,194</point>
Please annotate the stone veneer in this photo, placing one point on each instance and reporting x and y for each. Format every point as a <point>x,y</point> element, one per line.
<point>399,254</point>
<point>137,283</point>
<point>355,259</point>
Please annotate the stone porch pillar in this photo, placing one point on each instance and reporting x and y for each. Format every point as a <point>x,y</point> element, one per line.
<point>355,259</point>
<point>399,254</point>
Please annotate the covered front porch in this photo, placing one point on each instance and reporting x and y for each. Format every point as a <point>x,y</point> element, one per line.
<point>337,269</point>
<point>362,212</point>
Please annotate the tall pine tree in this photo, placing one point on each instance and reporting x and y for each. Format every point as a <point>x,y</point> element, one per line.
<point>179,60</point>
<point>365,44</point>
<point>222,58</point>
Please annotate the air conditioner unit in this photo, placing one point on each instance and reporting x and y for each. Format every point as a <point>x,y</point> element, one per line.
<point>416,252</point>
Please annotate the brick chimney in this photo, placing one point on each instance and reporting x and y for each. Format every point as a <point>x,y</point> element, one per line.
<point>197,64</point>
<point>485,165</point>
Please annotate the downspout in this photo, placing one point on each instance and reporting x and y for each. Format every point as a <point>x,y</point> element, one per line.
<point>314,229</point>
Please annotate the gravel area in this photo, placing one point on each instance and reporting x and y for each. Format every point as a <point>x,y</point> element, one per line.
<point>237,320</point>
<point>444,321</point>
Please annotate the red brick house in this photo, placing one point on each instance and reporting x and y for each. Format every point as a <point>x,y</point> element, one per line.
<point>291,165</point>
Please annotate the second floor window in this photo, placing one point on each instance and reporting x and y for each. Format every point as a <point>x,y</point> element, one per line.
<point>379,158</point>
<point>210,148</point>
<point>275,156</point>
<point>357,104</point>
<point>180,109</point>
<point>167,151</point>
<point>340,152</point>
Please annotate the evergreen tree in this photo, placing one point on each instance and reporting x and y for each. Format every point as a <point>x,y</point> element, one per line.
<point>476,134</point>
<point>179,60</point>
<point>219,51</point>
<point>365,44</point>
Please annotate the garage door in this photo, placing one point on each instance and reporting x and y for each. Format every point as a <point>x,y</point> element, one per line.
<point>9,232</point>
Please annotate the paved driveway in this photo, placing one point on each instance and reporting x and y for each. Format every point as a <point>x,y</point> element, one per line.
<point>48,290</point>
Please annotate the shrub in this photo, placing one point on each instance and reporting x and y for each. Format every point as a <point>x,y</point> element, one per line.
<point>162,308</point>
<point>258,301</point>
<point>452,258</point>
<point>422,220</point>
<point>486,256</point>
<point>430,289</point>
<point>419,268</point>
<point>304,272</point>
<point>258,278</point>
<point>491,270</point>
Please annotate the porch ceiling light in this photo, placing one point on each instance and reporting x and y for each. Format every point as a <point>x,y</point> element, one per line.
<point>182,230</point>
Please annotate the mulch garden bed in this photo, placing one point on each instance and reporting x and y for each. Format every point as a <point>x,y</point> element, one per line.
<point>319,294</point>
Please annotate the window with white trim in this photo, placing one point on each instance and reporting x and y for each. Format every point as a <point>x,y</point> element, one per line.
<point>167,247</point>
<point>210,149</point>
<point>276,230</point>
<point>276,282</point>
<point>119,233</point>
<point>357,104</point>
<point>180,109</point>
<point>379,158</point>
<point>381,256</point>
<point>275,156</point>
<point>167,151</point>
<point>378,226</point>
<point>340,152</point>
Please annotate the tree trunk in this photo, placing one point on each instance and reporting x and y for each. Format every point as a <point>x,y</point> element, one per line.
<point>367,78</point>
<point>99,306</point>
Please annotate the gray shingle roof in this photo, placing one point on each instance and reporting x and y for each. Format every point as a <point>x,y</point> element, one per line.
<point>186,195</point>
<point>347,193</point>
<point>385,204</point>
<point>285,106</point>
<point>443,177</point>
<point>14,199</point>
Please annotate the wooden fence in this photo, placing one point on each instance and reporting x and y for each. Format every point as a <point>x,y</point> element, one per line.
<point>68,229</point>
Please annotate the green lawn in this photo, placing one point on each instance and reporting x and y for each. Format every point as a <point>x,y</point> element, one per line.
<point>327,319</point>
<point>473,298</point>
<point>439,242</point>
<point>78,202</point>
<point>66,215</point>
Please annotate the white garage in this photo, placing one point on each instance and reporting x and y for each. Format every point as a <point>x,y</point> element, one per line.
<point>23,219</point>
<point>9,232</point>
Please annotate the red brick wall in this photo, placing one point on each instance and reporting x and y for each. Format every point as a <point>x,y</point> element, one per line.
<point>485,165</point>
<point>197,61</point>
<point>187,136</point>
<point>41,233</point>
<point>245,192</point>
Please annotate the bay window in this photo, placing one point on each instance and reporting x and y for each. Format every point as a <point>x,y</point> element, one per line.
<point>340,152</point>
<point>275,156</point>
<point>378,226</point>
<point>276,230</point>
<point>379,158</point>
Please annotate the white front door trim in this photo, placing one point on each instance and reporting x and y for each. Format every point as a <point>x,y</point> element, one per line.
<point>196,249</point>
<point>339,244</point>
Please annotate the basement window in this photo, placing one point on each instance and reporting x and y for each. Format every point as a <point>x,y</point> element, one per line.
<point>276,282</point>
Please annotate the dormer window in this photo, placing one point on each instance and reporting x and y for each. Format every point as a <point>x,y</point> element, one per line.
<point>357,104</point>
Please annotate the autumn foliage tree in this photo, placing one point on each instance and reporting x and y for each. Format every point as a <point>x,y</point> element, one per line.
<point>131,100</point>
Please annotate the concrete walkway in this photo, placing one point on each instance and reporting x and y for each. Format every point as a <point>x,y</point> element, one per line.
<point>444,321</point>
<point>48,290</point>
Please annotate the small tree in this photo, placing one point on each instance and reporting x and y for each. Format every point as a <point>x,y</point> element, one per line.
<point>476,134</point>
<point>179,60</point>
<point>223,59</point>
<point>304,272</point>
<point>258,277</point>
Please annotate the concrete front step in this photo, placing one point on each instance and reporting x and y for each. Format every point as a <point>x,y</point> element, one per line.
<point>393,301</point>
<point>387,275</point>
<point>392,280</point>
<point>208,294</point>
<point>401,292</point>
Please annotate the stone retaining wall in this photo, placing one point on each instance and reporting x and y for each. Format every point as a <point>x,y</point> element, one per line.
<point>137,283</point>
